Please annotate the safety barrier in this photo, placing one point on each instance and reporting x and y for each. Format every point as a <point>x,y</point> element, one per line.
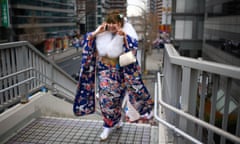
<point>24,70</point>
<point>200,99</point>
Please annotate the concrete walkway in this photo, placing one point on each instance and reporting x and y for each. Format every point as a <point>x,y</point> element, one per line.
<point>154,60</point>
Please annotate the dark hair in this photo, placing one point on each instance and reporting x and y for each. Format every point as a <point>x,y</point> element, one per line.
<point>115,17</point>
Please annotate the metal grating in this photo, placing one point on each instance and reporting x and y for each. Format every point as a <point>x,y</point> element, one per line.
<point>47,130</point>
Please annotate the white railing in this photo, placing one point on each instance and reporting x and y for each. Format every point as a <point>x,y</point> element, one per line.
<point>200,99</point>
<point>24,70</point>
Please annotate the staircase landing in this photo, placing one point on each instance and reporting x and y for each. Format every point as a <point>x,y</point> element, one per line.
<point>51,130</point>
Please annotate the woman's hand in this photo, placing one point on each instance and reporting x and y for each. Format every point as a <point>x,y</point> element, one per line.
<point>100,29</point>
<point>121,32</point>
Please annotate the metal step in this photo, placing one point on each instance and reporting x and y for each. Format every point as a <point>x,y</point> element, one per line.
<point>65,130</point>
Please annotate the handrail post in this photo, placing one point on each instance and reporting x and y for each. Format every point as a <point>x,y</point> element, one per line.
<point>158,99</point>
<point>25,87</point>
<point>24,95</point>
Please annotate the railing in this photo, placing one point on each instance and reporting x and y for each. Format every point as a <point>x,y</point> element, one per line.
<point>200,99</point>
<point>24,70</point>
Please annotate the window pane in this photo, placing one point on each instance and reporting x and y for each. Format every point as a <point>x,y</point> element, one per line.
<point>183,29</point>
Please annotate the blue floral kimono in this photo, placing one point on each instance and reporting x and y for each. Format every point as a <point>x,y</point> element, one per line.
<point>114,82</point>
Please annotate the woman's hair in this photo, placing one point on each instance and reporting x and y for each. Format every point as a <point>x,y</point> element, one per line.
<point>115,17</point>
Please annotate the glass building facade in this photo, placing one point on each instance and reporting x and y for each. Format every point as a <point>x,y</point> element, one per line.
<point>221,43</point>
<point>90,15</point>
<point>187,26</point>
<point>92,12</point>
<point>222,31</point>
<point>38,20</point>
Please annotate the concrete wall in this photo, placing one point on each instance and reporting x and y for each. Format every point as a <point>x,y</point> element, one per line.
<point>40,104</point>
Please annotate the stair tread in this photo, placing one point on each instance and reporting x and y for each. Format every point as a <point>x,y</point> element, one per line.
<point>70,130</point>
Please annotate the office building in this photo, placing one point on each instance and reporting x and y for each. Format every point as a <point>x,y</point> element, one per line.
<point>81,17</point>
<point>159,10</point>
<point>187,19</point>
<point>221,43</point>
<point>95,12</point>
<point>116,4</point>
<point>222,32</point>
<point>37,21</point>
<point>5,32</point>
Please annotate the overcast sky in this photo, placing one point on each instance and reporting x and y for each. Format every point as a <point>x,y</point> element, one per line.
<point>133,7</point>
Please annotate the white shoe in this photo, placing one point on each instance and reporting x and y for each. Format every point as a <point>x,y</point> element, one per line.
<point>119,124</point>
<point>147,115</point>
<point>150,115</point>
<point>106,131</point>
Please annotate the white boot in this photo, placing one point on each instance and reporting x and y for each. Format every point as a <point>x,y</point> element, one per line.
<point>150,115</point>
<point>147,115</point>
<point>106,131</point>
<point>119,124</point>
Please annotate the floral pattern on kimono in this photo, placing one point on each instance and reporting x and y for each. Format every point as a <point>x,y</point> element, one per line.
<point>110,93</point>
<point>122,79</point>
<point>84,102</point>
<point>138,94</point>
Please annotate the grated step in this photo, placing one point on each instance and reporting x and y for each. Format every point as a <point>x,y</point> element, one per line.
<point>65,130</point>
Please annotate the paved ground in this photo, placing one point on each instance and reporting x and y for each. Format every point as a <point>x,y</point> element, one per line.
<point>154,60</point>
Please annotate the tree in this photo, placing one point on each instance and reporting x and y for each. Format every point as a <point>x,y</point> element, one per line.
<point>33,33</point>
<point>152,30</point>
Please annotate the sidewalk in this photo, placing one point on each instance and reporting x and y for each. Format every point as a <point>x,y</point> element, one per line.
<point>62,55</point>
<point>154,60</point>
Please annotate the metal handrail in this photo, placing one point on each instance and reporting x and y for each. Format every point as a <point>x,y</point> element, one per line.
<point>41,78</point>
<point>54,82</point>
<point>17,84</point>
<point>157,92</point>
<point>21,43</point>
<point>29,79</point>
<point>213,67</point>
<point>187,116</point>
<point>16,73</point>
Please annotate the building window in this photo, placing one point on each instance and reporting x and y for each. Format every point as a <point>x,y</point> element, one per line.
<point>99,2</point>
<point>224,9</point>
<point>99,11</point>
<point>183,29</point>
<point>99,20</point>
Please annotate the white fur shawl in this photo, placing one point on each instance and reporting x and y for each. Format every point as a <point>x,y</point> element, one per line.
<point>112,45</point>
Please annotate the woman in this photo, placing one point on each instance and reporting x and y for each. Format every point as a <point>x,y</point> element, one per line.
<point>101,50</point>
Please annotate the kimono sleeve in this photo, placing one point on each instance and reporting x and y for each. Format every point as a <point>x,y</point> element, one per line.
<point>84,102</point>
<point>139,95</point>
